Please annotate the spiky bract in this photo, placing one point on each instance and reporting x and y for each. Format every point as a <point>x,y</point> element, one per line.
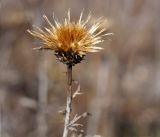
<point>70,40</point>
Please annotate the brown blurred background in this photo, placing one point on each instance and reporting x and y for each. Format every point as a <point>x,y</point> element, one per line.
<point>121,83</point>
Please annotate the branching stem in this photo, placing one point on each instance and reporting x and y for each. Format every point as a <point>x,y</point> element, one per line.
<point>69,101</point>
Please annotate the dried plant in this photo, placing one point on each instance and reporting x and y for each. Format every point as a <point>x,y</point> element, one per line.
<point>71,41</point>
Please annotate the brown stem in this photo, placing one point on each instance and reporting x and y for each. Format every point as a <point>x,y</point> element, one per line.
<point>69,101</point>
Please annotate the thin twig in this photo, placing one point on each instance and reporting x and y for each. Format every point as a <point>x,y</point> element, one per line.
<point>77,92</point>
<point>69,101</point>
<point>76,118</point>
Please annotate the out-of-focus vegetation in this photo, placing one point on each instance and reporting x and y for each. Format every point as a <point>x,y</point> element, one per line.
<point>121,84</point>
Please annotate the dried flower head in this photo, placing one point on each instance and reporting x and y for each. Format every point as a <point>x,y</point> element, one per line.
<point>70,40</point>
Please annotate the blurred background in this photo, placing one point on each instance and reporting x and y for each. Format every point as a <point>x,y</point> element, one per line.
<point>121,84</point>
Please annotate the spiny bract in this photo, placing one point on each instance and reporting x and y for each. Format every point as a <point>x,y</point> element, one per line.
<point>70,40</point>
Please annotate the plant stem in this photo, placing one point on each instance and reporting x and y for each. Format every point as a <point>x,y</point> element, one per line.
<point>69,101</point>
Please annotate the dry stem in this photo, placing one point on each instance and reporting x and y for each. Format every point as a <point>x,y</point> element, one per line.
<point>71,125</point>
<point>69,101</point>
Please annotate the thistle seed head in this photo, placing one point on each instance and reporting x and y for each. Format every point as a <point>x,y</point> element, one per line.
<point>70,40</point>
